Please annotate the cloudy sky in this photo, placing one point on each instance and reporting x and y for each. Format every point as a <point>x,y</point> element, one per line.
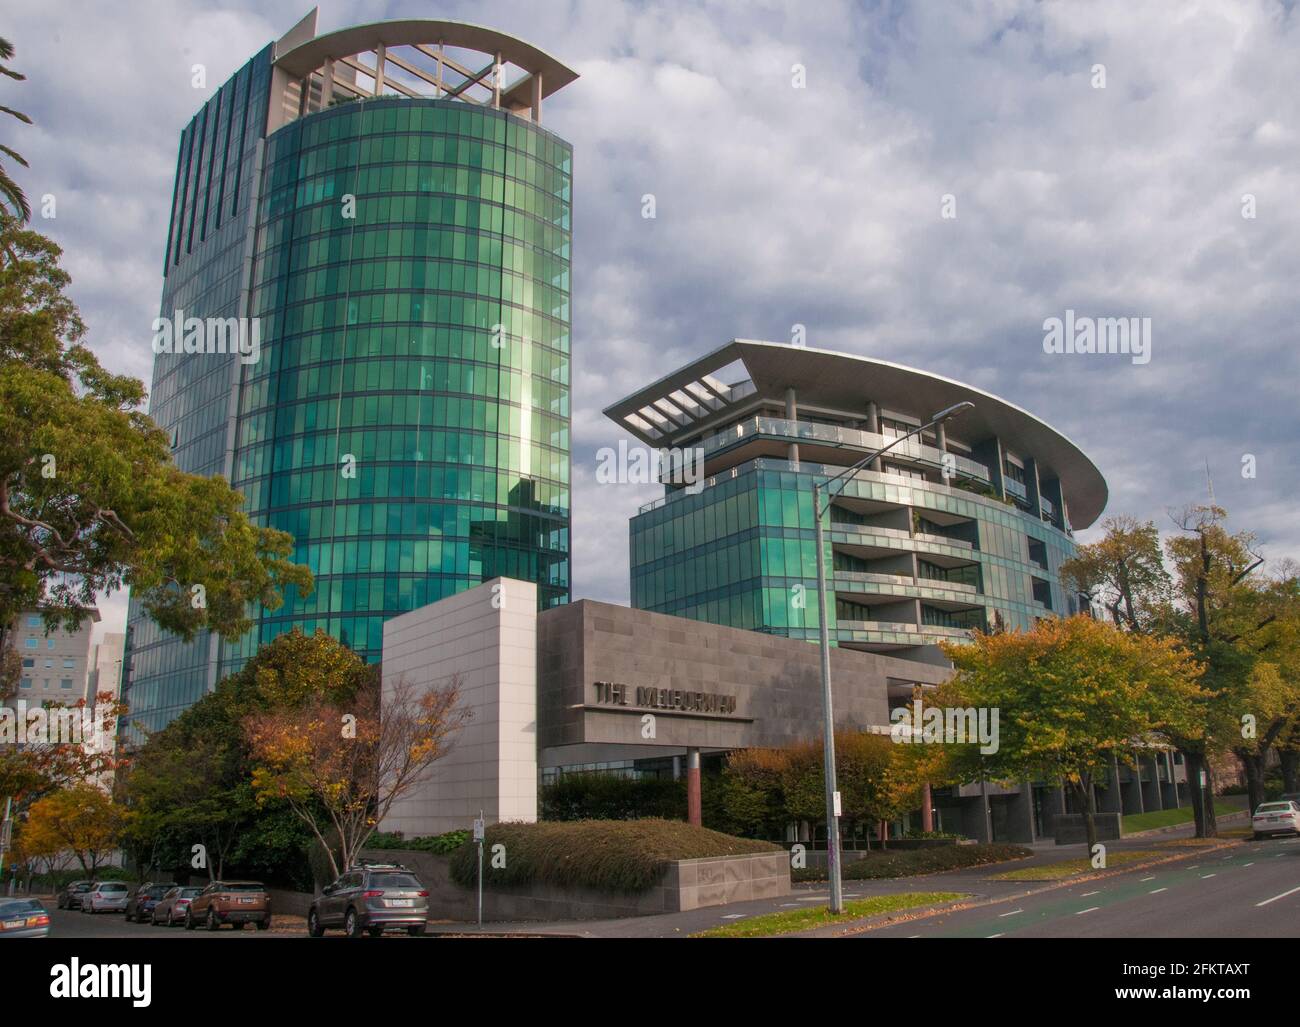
<point>819,205</point>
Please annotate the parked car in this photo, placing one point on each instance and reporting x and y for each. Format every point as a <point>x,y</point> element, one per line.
<point>143,899</point>
<point>1276,818</point>
<point>23,918</point>
<point>70,894</point>
<point>373,898</point>
<point>170,909</point>
<point>106,897</point>
<point>230,902</point>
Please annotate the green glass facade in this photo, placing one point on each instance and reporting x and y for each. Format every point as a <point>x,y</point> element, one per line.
<point>407,262</point>
<point>409,422</point>
<point>742,552</point>
<point>209,244</point>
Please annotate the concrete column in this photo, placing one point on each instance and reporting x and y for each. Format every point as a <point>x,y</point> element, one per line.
<point>1151,797</point>
<point>1111,799</point>
<point>941,437</point>
<point>693,814</point>
<point>873,425</point>
<point>1020,814</point>
<point>1133,792</point>
<point>792,414</point>
<point>1169,790</point>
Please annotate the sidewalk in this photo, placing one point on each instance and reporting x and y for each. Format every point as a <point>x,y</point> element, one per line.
<point>976,883</point>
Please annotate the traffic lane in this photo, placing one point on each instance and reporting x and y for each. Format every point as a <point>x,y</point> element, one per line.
<point>1209,895</point>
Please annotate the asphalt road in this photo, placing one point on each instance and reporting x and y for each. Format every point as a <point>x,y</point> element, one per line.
<point>1248,891</point>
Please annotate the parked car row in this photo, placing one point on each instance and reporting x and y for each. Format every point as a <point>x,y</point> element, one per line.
<point>220,903</point>
<point>369,899</point>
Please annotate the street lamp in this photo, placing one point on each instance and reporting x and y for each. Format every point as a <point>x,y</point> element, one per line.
<point>828,716</point>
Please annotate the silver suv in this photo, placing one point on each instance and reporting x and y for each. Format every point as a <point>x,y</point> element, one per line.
<point>371,898</point>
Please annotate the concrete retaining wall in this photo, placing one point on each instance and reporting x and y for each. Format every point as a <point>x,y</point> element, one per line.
<point>687,884</point>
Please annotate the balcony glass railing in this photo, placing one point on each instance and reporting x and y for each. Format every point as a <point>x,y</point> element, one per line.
<point>849,438</point>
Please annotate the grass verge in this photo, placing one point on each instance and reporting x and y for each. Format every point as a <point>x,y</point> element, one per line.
<point>1073,867</point>
<point>1134,822</point>
<point>877,865</point>
<point>624,856</point>
<point>767,925</point>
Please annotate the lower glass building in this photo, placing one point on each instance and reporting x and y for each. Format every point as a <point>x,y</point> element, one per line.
<point>964,527</point>
<point>384,209</point>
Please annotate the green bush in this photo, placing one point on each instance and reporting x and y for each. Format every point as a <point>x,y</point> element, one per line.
<point>607,855</point>
<point>597,796</point>
<point>878,864</point>
<point>439,844</point>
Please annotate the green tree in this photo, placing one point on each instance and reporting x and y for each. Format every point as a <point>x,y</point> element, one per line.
<point>90,500</point>
<point>1069,693</point>
<point>191,783</point>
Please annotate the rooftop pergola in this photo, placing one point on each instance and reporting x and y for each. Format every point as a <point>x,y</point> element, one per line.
<point>417,58</point>
<point>694,399</point>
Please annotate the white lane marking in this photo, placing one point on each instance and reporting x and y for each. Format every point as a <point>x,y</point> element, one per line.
<point>993,936</point>
<point>1197,867</point>
<point>914,936</point>
<point>1157,891</point>
<point>1012,913</point>
<point>733,916</point>
<point>1250,864</point>
<point>1151,878</point>
<point>1276,897</point>
<point>1088,910</point>
<point>1087,893</point>
<point>1205,876</point>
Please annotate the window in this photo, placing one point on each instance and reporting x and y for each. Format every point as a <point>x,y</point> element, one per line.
<point>69,663</point>
<point>31,643</point>
<point>29,663</point>
<point>33,620</point>
<point>65,682</point>
<point>49,664</point>
<point>27,682</point>
<point>49,643</point>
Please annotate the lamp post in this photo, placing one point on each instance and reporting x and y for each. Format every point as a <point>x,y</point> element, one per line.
<point>828,715</point>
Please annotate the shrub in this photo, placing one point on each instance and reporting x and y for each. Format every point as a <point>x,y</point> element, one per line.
<point>439,844</point>
<point>597,796</point>
<point>879,864</point>
<point>606,855</point>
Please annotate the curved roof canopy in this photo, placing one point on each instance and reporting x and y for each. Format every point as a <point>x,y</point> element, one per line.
<point>431,59</point>
<point>678,406</point>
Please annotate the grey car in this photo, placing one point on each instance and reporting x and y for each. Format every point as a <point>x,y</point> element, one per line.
<point>371,899</point>
<point>106,897</point>
<point>23,918</point>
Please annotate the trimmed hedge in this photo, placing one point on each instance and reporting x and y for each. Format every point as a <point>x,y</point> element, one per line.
<point>439,844</point>
<point>877,865</point>
<point>624,856</point>
<point>599,796</point>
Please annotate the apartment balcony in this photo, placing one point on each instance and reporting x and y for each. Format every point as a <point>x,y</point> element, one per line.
<point>784,431</point>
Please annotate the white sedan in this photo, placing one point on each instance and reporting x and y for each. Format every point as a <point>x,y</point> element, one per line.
<point>109,897</point>
<point>1276,818</point>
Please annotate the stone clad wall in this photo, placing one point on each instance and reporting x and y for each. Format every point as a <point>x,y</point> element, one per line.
<point>687,884</point>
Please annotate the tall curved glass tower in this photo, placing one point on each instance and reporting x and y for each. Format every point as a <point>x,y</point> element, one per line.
<point>401,246</point>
